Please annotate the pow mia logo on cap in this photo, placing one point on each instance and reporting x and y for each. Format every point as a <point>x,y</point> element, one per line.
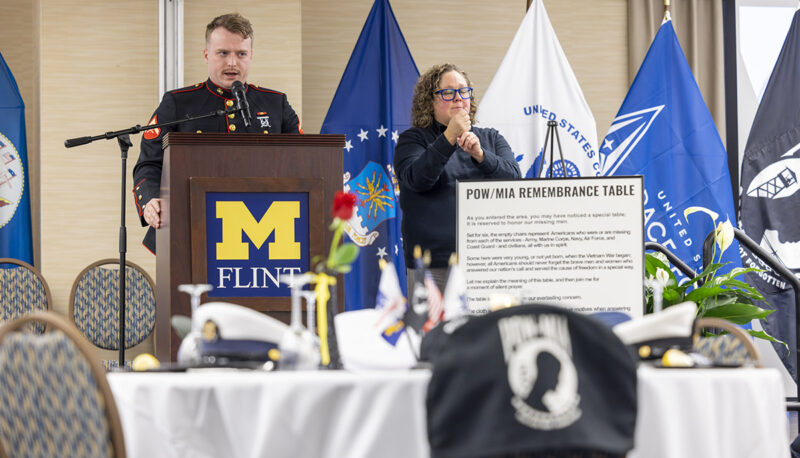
<point>541,374</point>
<point>11,180</point>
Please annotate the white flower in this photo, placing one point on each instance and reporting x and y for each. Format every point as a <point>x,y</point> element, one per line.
<point>714,215</point>
<point>723,235</point>
<point>662,276</point>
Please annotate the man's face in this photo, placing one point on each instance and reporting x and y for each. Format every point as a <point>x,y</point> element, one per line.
<point>228,57</point>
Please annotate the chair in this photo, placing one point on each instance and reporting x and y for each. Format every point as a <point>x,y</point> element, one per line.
<point>94,305</point>
<point>733,349</point>
<point>22,290</point>
<point>54,395</point>
<point>532,380</point>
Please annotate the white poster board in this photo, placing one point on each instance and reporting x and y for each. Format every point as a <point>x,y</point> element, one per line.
<point>575,242</point>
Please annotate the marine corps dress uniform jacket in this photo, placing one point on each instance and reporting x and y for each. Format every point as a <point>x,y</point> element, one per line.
<point>270,111</point>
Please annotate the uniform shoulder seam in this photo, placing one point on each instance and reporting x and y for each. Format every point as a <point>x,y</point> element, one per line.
<point>187,89</point>
<point>263,89</point>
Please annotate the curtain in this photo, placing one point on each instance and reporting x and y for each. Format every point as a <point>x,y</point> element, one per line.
<point>698,24</point>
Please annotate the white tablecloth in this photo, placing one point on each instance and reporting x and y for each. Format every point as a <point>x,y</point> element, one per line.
<point>283,414</point>
<point>710,413</point>
<point>682,413</point>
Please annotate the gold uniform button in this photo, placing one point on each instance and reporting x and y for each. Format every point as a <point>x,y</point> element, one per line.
<point>199,131</point>
<point>140,197</point>
<point>229,103</point>
<point>231,115</point>
<point>266,131</point>
<point>232,127</point>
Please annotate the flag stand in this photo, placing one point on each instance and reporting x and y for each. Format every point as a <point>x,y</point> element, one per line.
<point>552,131</point>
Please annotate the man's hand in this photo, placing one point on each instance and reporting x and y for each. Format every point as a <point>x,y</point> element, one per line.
<point>152,212</point>
<point>469,142</point>
<point>458,124</point>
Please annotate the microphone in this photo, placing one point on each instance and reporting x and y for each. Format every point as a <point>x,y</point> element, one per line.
<point>241,101</point>
<point>69,143</point>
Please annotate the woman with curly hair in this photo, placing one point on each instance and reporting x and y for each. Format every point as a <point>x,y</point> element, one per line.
<point>442,148</point>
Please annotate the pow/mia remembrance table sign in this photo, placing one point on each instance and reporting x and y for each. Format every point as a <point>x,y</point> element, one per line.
<point>576,242</point>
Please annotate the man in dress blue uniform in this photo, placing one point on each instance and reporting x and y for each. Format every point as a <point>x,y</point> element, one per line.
<point>228,53</point>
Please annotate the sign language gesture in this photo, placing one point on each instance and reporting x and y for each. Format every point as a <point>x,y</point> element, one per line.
<point>469,142</point>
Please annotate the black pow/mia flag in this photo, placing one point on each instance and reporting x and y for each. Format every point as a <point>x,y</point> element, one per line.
<point>769,193</point>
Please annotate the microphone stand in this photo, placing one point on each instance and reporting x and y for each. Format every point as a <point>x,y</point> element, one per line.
<point>124,141</point>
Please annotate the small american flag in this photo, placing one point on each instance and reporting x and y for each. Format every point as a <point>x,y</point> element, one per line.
<point>435,303</point>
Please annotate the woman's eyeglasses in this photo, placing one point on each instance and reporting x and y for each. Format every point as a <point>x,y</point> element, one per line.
<point>450,94</point>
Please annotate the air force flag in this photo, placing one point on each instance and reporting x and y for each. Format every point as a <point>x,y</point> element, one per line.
<point>665,132</point>
<point>770,197</point>
<point>15,207</point>
<point>371,106</point>
<point>534,85</point>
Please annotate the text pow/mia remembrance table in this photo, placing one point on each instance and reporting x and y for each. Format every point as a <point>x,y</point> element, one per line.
<point>682,413</point>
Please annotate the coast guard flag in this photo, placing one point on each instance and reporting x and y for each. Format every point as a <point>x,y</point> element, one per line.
<point>665,132</point>
<point>770,197</point>
<point>534,85</point>
<point>371,107</point>
<point>15,206</point>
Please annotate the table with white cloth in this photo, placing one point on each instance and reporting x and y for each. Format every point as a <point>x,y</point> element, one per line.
<point>238,414</point>
<point>682,413</point>
<point>710,413</point>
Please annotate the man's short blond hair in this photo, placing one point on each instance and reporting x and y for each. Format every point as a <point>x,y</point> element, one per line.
<point>232,22</point>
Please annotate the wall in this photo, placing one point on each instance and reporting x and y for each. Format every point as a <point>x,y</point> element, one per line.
<point>91,66</point>
<point>277,43</point>
<point>475,35</point>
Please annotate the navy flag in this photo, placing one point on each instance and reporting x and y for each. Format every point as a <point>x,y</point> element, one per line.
<point>770,198</point>
<point>371,106</point>
<point>665,132</point>
<point>16,239</point>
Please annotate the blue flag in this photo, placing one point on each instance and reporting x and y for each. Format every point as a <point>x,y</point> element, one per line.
<point>664,132</point>
<point>371,107</point>
<point>15,206</point>
<point>770,201</point>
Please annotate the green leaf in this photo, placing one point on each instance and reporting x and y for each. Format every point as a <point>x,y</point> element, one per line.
<point>720,300</point>
<point>739,271</point>
<point>652,264</point>
<point>343,269</point>
<point>710,269</point>
<point>672,296</point>
<point>743,288</point>
<point>698,294</point>
<point>345,254</point>
<point>737,313</point>
<point>765,336</point>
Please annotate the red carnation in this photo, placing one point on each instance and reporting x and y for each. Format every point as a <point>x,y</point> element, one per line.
<point>343,205</point>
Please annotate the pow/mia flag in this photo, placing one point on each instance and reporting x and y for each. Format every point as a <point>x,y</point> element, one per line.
<point>770,197</point>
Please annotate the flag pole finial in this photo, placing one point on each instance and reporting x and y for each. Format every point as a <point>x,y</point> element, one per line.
<point>666,11</point>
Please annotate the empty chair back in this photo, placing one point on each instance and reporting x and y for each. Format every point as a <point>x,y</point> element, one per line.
<point>54,395</point>
<point>94,304</point>
<point>22,290</point>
